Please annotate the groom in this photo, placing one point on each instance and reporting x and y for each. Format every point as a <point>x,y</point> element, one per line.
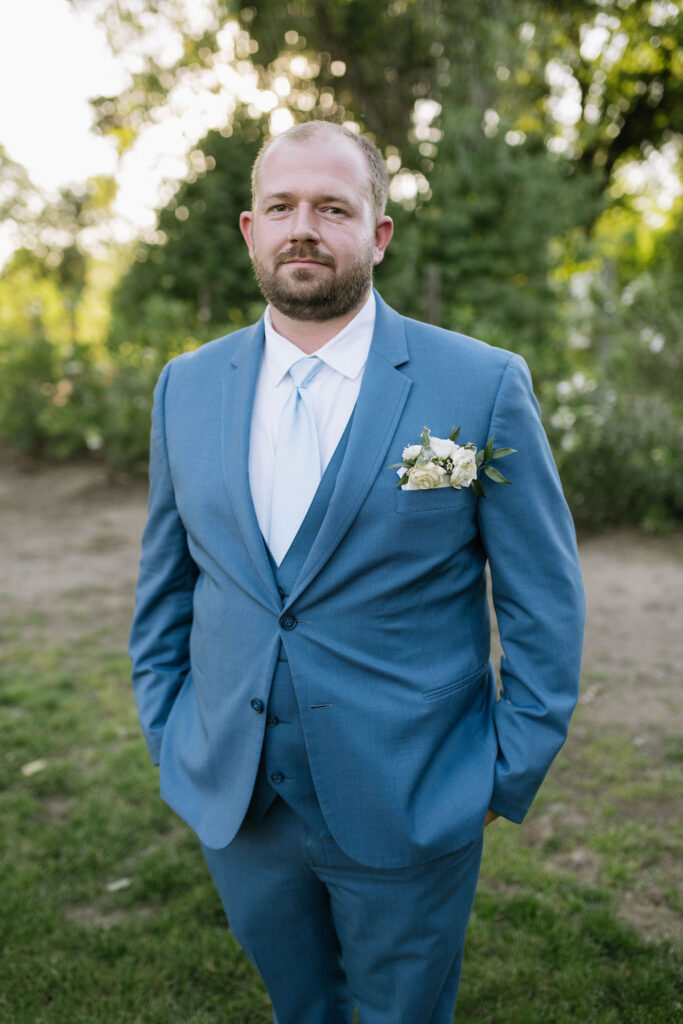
<point>311,641</point>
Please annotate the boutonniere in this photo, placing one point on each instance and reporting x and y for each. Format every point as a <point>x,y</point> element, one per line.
<point>440,462</point>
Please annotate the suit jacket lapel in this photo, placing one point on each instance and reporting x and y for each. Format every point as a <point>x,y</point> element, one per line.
<point>380,402</point>
<point>238,400</point>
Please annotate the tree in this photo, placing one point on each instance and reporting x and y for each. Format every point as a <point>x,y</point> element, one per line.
<point>479,254</point>
<point>201,260</point>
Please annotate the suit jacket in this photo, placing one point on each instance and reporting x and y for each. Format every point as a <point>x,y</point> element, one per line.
<point>387,628</point>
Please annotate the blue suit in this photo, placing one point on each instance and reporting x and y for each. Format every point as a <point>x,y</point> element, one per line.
<point>386,627</point>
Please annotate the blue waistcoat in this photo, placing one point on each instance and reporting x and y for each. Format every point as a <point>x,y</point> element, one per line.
<point>284,769</point>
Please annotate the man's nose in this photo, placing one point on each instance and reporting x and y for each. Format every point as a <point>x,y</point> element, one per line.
<point>303,225</point>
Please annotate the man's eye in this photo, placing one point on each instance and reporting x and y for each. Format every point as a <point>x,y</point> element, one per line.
<point>337,211</point>
<point>278,208</point>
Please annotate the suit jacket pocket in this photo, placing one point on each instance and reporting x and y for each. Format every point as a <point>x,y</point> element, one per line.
<point>444,691</point>
<point>439,499</point>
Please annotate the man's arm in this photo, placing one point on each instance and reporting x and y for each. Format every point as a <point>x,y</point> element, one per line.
<point>538,596</point>
<point>160,635</point>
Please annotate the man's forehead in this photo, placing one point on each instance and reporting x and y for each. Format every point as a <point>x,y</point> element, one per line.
<point>323,156</point>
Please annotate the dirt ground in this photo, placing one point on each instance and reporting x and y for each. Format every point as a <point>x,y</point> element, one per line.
<point>69,546</point>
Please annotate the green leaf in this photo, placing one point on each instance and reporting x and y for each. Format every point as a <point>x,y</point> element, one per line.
<point>488,449</point>
<point>394,465</point>
<point>404,480</point>
<point>493,474</point>
<point>453,436</point>
<point>501,452</point>
<point>478,489</point>
<point>479,458</point>
<point>426,437</point>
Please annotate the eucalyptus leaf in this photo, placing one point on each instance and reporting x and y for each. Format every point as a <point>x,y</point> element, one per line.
<point>501,452</point>
<point>426,455</point>
<point>493,474</point>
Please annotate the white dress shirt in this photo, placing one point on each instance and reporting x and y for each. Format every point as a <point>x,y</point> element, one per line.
<point>333,393</point>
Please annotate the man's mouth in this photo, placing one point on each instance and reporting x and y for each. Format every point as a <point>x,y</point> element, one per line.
<point>301,259</point>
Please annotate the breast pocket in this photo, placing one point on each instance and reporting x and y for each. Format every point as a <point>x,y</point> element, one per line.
<point>438,499</point>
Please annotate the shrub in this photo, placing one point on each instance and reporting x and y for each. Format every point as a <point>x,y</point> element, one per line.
<point>50,396</point>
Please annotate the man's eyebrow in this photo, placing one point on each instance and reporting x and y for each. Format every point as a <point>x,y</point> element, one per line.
<point>336,199</point>
<point>321,199</point>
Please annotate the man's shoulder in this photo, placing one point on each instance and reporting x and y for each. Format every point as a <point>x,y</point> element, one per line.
<point>436,346</point>
<point>213,355</point>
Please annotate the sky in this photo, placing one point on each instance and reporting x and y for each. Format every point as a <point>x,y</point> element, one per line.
<point>51,61</point>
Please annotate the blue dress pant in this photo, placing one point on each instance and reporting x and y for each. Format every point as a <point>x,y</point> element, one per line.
<point>326,933</point>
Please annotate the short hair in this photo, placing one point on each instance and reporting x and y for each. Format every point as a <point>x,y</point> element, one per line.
<point>379,179</point>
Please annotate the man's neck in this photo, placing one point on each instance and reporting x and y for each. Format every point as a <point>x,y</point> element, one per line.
<point>310,335</point>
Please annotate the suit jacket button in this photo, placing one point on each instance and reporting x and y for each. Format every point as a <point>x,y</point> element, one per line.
<point>287,621</point>
<point>277,777</point>
<point>257,705</point>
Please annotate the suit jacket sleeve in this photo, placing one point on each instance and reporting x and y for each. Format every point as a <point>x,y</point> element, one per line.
<point>538,596</point>
<point>160,635</point>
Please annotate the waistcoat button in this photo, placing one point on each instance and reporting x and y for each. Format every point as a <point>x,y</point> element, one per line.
<point>277,777</point>
<point>287,621</point>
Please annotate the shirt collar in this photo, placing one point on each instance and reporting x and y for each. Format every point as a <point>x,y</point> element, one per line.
<point>346,353</point>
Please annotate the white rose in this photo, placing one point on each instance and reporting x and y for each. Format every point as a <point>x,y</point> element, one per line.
<point>412,451</point>
<point>464,467</point>
<point>443,448</point>
<point>425,477</point>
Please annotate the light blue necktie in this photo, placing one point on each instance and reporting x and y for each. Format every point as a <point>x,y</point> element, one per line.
<point>297,461</point>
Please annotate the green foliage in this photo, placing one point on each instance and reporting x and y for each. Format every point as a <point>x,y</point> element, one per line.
<point>139,351</point>
<point>622,464</point>
<point>50,400</point>
<point>63,398</point>
<point>202,260</point>
<point>390,54</point>
<point>478,255</point>
<point>616,423</point>
<point>539,113</point>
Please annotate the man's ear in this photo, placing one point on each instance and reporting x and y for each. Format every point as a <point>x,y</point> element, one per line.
<point>384,229</point>
<point>246,225</point>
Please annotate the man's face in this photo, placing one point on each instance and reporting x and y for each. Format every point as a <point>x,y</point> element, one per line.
<point>312,235</point>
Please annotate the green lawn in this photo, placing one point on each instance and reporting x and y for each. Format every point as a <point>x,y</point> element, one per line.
<point>108,916</point>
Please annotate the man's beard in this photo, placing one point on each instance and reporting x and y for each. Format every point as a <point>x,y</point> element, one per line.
<point>308,296</point>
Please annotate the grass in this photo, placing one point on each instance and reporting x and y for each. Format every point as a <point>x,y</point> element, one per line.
<point>108,915</point>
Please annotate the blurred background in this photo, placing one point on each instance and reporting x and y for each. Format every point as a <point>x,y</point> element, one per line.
<point>535,155</point>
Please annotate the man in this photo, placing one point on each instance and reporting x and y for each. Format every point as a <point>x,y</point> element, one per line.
<point>311,641</point>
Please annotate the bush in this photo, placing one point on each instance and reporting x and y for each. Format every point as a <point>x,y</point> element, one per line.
<point>58,400</point>
<point>50,396</point>
<point>619,456</point>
